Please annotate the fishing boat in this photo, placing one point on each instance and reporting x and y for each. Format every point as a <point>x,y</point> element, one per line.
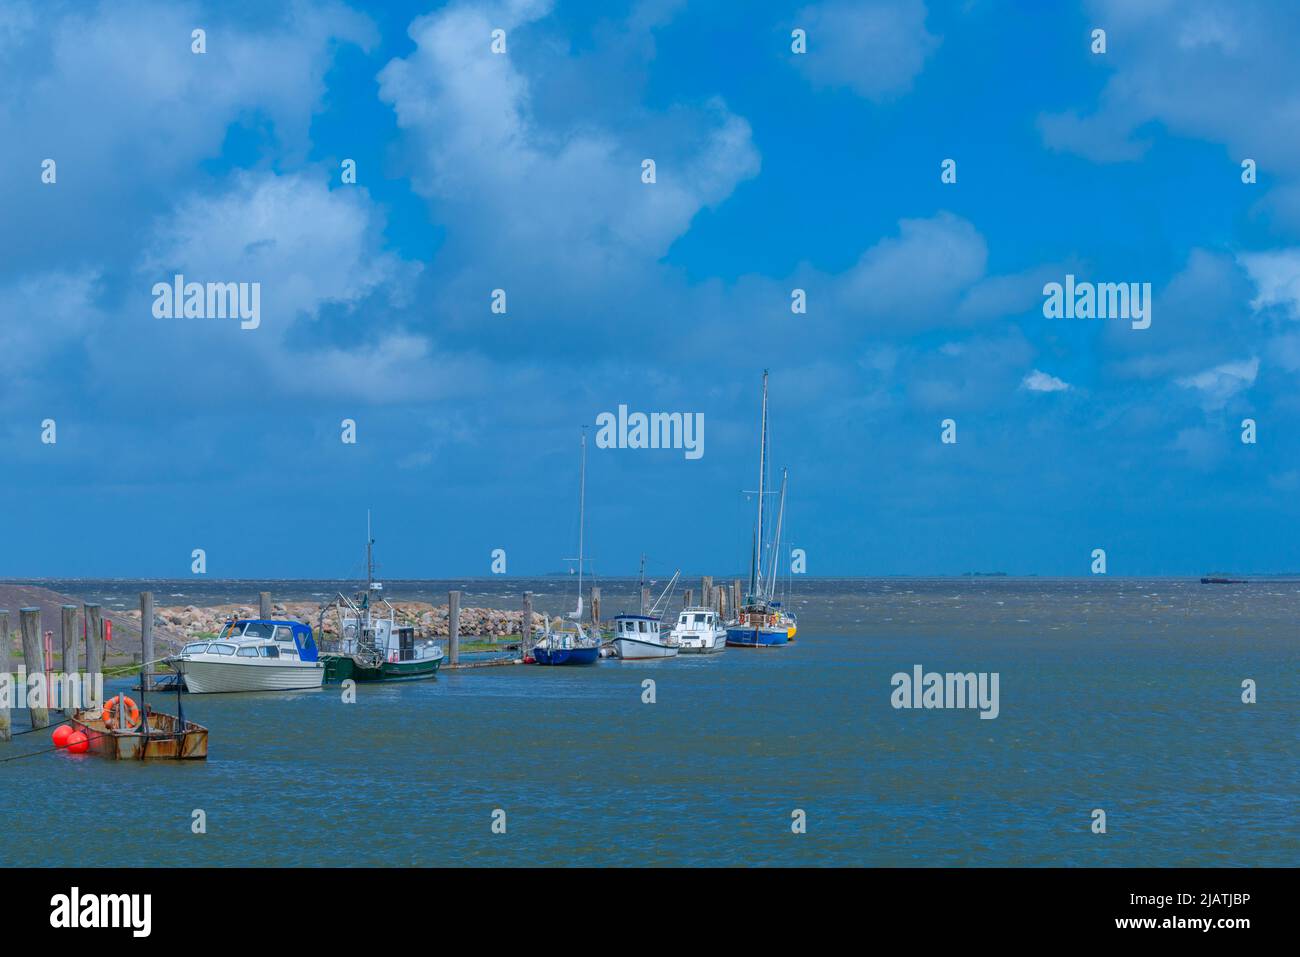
<point>570,644</point>
<point>761,621</point>
<point>699,631</point>
<point>372,643</point>
<point>251,655</point>
<point>641,636</point>
<point>124,733</point>
<point>637,637</point>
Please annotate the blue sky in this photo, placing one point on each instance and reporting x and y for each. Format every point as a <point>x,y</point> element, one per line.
<point>522,171</point>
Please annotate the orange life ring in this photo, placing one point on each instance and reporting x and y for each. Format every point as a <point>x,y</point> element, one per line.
<point>110,712</point>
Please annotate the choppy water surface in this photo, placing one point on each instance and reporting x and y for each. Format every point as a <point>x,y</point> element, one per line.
<point>1114,694</point>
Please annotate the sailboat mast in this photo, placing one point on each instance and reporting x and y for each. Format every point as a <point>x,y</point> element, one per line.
<point>776,541</point>
<point>582,510</point>
<point>756,575</point>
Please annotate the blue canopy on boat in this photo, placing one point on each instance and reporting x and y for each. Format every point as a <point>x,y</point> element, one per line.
<point>302,636</point>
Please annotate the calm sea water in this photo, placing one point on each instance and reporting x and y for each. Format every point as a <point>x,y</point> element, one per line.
<point>1115,694</point>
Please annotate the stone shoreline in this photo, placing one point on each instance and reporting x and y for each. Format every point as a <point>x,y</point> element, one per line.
<point>191,620</point>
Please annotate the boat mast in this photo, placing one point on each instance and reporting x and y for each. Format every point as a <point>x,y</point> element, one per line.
<point>582,507</point>
<point>756,565</point>
<point>776,541</point>
<point>370,556</point>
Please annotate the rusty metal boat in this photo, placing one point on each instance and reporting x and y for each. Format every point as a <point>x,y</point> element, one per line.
<point>159,737</point>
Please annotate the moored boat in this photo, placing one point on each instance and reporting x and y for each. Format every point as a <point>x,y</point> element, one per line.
<point>372,644</point>
<point>154,736</point>
<point>251,655</point>
<point>699,631</point>
<point>761,621</point>
<point>570,644</point>
<point>639,637</point>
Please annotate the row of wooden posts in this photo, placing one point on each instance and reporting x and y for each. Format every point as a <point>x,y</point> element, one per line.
<point>34,658</point>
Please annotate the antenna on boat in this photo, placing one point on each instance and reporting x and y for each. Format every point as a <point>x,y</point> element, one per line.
<point>370,555</point>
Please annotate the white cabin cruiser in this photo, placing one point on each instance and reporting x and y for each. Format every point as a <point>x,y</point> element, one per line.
<point>699,631</point>
<point>255,655</point>
<point>639,636</point>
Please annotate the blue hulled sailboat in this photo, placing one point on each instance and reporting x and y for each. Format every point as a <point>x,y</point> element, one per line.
<point>570,644</point>
<point>761,621</point>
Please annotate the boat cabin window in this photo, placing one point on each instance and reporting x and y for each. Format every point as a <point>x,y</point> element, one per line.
<point>247,652</point>
<point>283,633</point>
<point>269,651</point>
<point>217,648</point>
<point>232,630</point>
<point>699,619</point>
<point>195,648</point>
<point>259,629</point>
<point>684,620</point>
<point>644,629</point>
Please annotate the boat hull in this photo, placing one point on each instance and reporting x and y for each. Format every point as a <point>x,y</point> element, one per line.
<point>213,677</point>
<point>566,656</point>
<point>167,739</point>
<point>695,643</point>
<point>344,667</point>
<point>749,637</point>
<point>632,649</point>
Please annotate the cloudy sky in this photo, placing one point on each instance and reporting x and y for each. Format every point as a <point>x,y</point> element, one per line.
<point>522,171</point>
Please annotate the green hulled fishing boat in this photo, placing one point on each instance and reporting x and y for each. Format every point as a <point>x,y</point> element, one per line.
<point>370,643</point>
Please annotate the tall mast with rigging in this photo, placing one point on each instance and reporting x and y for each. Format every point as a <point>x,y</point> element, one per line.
<point>756,563</point>
<point>582,508</point>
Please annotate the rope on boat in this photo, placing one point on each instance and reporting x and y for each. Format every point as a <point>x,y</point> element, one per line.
<point>126,669</point>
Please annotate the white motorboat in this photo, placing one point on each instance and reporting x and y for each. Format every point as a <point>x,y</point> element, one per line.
<point>252,656</point>
<point>640,636</point>
<point>699,631</point>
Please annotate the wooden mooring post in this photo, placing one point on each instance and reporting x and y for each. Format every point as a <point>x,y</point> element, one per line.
<point>94,643</point>
<point>526,627</point>
<point>68,654</point>
<point>453,627</point>
<point>595,605</point>
<point>687,595</point>
<point>264,605</point>
<point>735,595</point>
<point>146,640</point>
<point>34,658</point>
<point>645,600</point>
<point>706,591</point>
<point>6,732</point>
